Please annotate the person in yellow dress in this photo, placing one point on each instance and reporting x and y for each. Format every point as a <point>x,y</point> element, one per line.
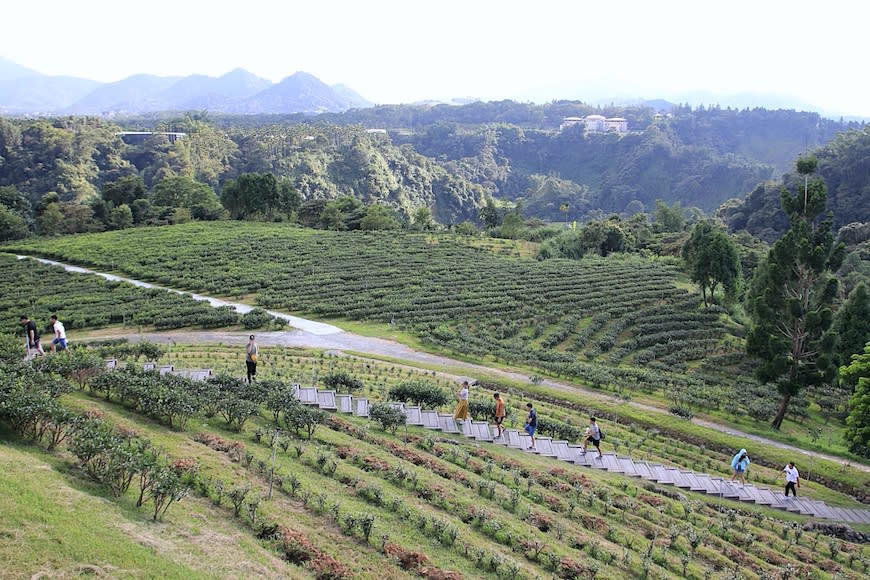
<point>499,414</point>
<point>461,412</point>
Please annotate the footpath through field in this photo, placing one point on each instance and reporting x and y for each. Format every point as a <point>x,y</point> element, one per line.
<point>319,335</point>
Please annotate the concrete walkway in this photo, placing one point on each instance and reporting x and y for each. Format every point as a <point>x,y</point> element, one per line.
<point>483,432</point>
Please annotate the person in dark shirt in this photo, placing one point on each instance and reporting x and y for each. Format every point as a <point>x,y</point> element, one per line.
<point>32,334</point>
<point>531,423</point>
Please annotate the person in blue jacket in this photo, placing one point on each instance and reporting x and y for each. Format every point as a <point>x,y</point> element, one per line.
<point>739,465</point>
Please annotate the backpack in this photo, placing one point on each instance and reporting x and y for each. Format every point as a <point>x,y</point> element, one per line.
<point>600,433</point>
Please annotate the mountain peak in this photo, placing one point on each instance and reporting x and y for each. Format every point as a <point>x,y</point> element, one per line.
<point>237,91</point>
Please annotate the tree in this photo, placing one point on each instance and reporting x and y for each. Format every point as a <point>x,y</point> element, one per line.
<point>490,214</point>
<point>124,191</point>
<point>51,220</point>
<point>251,194</point>
<point>669,219</point>
<point>602,237</point>
<point>15,201</point>
<point>12,225</point>
<point>423,218</point>
<point>343,213</point>
<point>792,293</point>
<point>289,198</point>
<point>120,217</point>
<point>852,324</point>
<point>184,191</point>
<point>712,259</point>
<point>857,374</point>
<point>564,208</point>
<point>379,217</point>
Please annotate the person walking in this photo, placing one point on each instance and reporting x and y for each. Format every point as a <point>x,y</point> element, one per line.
<point>499,414</point>
<point>32,336</point>
<point>251,352</point>
<point>792,478</point>
<point>461,412</point>
<point>593,434</point>
<point>59,342</point>
<point>531,423</point>
<point>739,464</point>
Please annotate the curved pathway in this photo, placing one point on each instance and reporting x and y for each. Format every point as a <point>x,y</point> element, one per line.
<point>312,334</point>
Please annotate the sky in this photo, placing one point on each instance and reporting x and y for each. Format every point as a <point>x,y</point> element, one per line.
<point>812,53</point>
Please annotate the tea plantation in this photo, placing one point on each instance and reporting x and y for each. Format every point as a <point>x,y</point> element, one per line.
<point>350,498</point>
<point>623,323</point>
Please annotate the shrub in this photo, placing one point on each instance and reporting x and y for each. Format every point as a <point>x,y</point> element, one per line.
<point>256,318</point>
<point>300,417</point>
<point>390,418</point>
<point>342,382</point>
<point>421,393</point>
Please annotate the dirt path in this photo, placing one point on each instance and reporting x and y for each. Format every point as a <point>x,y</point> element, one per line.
<point>318,335</point>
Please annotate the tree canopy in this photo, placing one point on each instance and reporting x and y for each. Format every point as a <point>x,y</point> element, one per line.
<point>792,295</point>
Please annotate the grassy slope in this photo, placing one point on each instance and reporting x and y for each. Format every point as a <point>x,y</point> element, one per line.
<point>54,522</point>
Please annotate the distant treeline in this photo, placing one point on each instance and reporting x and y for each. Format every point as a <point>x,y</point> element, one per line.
<point>449,160</point>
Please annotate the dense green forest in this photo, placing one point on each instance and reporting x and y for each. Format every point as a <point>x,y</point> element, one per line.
<point>844,164</point>
<point>447,159</point>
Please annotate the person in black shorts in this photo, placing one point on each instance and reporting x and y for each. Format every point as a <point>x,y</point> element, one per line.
<point>593,435</point>
<point>251,353</point>
<point>32,334</point>
<point>531,423</point>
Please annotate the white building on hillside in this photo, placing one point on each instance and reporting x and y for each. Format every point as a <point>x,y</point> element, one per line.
<point>570,122</point>
<point>617,124</point>
<point>596,124</point>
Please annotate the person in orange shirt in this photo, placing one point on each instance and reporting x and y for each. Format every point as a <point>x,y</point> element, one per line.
<point>499,414</point>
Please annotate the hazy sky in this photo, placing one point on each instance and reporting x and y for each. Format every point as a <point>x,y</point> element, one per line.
<point>402,51</point>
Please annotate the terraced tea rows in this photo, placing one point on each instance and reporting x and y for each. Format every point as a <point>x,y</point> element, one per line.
<point>686,449</point>
<point>86,301</point>
<point>437,504</point>
<point>577,319</point>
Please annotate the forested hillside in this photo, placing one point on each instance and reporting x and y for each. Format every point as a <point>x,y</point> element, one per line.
<point>844,163</point>
<point>447,159</point>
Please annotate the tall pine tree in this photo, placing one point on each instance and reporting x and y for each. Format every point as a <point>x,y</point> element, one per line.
<point>792,296</point>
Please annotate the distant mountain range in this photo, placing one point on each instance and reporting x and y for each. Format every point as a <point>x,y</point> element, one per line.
<point>24,91</point>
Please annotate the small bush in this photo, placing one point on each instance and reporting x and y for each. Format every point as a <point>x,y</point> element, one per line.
<point>421,393</point>
<point>390,418</point>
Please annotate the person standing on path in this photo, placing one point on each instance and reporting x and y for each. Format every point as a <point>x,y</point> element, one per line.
<point>251,352</point>
<point>739,464</point>
<point>32,335</point>
<point>792,478</point>
<point>59,342</point>
<point>461,412</point>
<point>531,423</point>
<point>499,414</point>
<point>594,436</point>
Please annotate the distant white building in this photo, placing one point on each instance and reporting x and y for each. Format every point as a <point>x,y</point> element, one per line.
<point>596,123</point>
<point>570,122</point>
<point>617,124</point>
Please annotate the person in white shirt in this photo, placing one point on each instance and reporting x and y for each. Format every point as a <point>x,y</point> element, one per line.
<point>792,478</point>
<point>461,412</point>
<point>59,342</point>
